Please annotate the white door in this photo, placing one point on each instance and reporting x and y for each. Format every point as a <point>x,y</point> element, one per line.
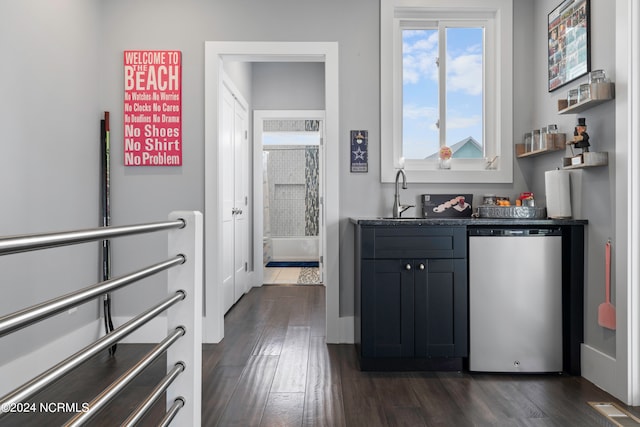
<point>234,144</point>
<point>241,194</point>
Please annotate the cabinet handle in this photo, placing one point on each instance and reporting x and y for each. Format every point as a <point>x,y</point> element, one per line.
<point>421,266</point>
<point>407,267</point>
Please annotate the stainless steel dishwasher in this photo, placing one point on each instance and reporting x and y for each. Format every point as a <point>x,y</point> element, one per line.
<point>515,299</point>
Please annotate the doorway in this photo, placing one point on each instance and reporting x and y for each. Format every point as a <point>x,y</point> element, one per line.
<point>337,329</point>
<point>289,156</point>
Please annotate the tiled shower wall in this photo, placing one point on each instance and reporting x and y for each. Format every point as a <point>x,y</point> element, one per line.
<point>292,175</point>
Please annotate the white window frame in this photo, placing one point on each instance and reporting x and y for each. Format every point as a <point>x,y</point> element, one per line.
<point>498,90</point>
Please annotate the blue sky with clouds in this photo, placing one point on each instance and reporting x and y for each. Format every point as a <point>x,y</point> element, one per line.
<point>420,89</point>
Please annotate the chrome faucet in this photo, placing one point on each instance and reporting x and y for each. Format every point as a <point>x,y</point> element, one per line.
<point>397,207</point>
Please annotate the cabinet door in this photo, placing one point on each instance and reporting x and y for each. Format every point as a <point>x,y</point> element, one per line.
<point>441,308</point>
<point>387,308</point>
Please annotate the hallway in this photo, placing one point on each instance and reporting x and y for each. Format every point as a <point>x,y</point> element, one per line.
<point>291,276</point>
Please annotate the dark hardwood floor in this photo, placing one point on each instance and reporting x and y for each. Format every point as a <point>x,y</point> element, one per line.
<point>274,369</point>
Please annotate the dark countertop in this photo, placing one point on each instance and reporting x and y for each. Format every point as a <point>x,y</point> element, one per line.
<point>378,221</point>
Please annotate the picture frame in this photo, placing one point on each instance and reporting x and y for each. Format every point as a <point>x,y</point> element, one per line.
<point>569,48</point>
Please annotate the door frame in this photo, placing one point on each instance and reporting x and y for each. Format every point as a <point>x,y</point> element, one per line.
<point>215,54</point>
<point>259,116</point>
<point>627,107</point>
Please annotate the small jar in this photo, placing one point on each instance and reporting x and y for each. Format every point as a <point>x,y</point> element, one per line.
<point>597,76</point>
<point>489,199</point>
<point>543,138</point>
<point>585,92</point>
<point>527,142</point>
<point>535,141</point>
<point>572,96</point>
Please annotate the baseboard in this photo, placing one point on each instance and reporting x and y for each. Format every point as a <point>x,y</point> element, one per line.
<point>347,331</point>
<point>20,370</point>
<point>600,369</point>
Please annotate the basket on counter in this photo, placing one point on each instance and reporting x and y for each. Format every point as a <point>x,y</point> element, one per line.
<point>514,212</point>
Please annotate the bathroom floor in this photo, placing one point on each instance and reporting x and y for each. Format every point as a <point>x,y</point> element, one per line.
<point>291,276</point>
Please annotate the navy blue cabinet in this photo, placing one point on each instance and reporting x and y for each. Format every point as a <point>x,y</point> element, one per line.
<point>387,309</point>
<point>440,305</point>
<point>411,297</point>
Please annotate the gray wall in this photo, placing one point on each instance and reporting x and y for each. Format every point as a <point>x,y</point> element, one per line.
<point>185,26</point>
<point>49,167</point>
<point>353,24</point>
<point>241,74</point>
<point>288,86</point>
<point>594,195</point>
<point>66,68</point>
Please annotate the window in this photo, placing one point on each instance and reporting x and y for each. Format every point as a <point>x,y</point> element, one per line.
<point>446,77</point>
<point>443,63</point>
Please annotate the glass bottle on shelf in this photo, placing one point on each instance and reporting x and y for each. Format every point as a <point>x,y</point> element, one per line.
<point>527,142</point>
<point>572,97</point>
<point>585,92</point>
<point>535,141</point>
<point>543,138</point>
<point>597,76</point>
<point>599,85</point>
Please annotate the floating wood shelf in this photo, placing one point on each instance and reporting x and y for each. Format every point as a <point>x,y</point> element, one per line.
<point>590,159</point>
<point>552,141</point>
<point>582,166</point>
<point>538,152</point>
<point>600,92</point>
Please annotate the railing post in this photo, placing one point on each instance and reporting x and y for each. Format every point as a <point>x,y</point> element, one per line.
<point>187,241</point>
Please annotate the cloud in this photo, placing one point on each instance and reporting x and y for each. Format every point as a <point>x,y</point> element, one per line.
<point>464,68</point>
<point>413,112</point>
<point>419,56</point>
<point>429,116</point>
<point>463,122</point>
<point>464,73</point>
